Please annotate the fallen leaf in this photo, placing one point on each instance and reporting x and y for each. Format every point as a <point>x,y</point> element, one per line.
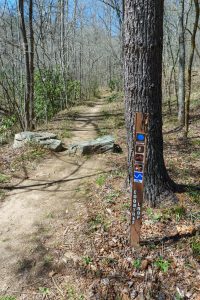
<point>184,229</point>
<point>144,264</point>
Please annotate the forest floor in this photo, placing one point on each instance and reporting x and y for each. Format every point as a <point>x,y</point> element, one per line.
<point>64,224</point>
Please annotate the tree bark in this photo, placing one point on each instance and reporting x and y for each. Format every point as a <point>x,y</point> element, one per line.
<point>143,45</point>
<point>181,70</point>
<point>31,66</point>
<point>189,70</point>
<point>27,64</point>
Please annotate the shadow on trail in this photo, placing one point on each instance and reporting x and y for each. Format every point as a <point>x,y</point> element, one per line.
<point>169,239</point>
<point>85,117</point>
<point>39,262</point>
<point>50,183</point>
<point>176,129</point>
<point>87,120</point>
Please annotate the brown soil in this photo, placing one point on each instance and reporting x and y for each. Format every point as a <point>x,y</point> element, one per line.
<point>41,218</point>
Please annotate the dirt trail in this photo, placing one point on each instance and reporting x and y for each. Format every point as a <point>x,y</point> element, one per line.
<point>42,208</point>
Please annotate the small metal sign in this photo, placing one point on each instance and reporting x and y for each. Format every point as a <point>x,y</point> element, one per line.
<point>140,139</point>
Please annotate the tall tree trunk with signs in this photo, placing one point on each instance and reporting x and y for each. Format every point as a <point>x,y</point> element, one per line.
<point>143,45</point>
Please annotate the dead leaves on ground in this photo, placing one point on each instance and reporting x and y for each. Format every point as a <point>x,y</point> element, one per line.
<point>164,270</point>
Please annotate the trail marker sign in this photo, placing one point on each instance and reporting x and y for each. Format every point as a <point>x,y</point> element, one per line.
<point>140,139</point>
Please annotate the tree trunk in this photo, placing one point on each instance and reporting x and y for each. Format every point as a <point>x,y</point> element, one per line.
<point>189,71</point>
<point>31,66</point>
<point>181,70</point>
<point>143,45</point>
<point>27,64</point>
<point>173,70</point>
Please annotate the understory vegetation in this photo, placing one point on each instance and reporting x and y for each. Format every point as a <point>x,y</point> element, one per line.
<point>167,262</point>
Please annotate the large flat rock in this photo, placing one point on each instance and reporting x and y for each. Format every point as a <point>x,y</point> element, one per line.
<point>100,145</point>
<point>29,135</point>
<point>46,139</point>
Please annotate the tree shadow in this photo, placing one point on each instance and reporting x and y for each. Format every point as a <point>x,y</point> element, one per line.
<point>183,188</point>
<point>176,129</point>
<point>169,239</point>
<point>87,120</point>
<point>47,183</point>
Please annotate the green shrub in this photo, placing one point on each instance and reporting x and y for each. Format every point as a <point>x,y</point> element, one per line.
<point>101,179</point>
<point>195,246</point>
<point>179,212</point>
<point>87,260</point>
<point>44,291</point>
<point>114,84</point>
<point>195,196</point>
<point>73,91</point>
<point>7,123</point>
<point>51,93</point>
<point>4,178</point>
<point>49,88</point>
<point>155,217</point>
<point>95,222</point>
<point>162,264</point>
<point>112,98</point>
<point>136,263</point>
<point>7,126</point>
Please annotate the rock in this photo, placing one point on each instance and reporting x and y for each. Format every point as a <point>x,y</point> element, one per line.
<point>100,145</point>
<point>34,136</point>
<point>134,294</point>
<point>46,139</point>
<point>105,281</point>
<point>52,144</point>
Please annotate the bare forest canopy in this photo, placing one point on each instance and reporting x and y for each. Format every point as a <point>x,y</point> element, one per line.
<point>56,54</point>
<point>77,49</point>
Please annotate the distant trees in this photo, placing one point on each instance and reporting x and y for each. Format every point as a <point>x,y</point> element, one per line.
<point>182,41</point>
<point>54,54</point>
<point>189,70</point>
<point>113,19</point>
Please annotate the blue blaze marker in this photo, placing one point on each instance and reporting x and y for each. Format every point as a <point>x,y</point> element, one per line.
<point>140,137</point>
<point>138,177</point>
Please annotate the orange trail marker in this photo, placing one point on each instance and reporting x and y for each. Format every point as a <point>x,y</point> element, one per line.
<point>140,139</point>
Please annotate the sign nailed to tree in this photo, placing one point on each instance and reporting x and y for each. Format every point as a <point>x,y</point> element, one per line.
<point>140,139</point>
